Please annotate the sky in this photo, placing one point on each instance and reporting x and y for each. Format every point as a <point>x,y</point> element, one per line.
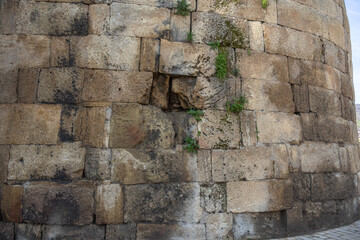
<point>353,12</point>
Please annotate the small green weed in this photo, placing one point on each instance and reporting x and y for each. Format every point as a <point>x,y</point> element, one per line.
<point>191,144</point>
<point>237,104</point>
<point>190,37</point>
<point>221,62</point>
<point>249,52</point>
<point>236,72</point>
<point>264,3</point>
<point>182,8</point>
<point>197,114</point>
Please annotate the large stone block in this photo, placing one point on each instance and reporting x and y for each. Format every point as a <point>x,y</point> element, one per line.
<point>109,204</point>
<point>60,52</point>
<point>71,123</point>
<point>335,56</point>
<point>138,126</point>
<point>249,163</point>
<point>179,27</point>
<point>219,226</point>
<point>99,19</point>
<point>302,186</point>
<point>213,197</point>
<point>6,231</point>
<point>259,196</point>
<point>186,59</point>
<point>278,127</point>
<point>301,98</point>
<point>248,128</point>
<point>106,52</point>
<point>164,232</point>
<point>184,125</point>
<point>353,157</point>
<point>268,95</point>
<point>160,91</point>
<point>89,232</point>
<point>60,85</point>
<point>8,85</point>
<point>139,21</point>
<point>219,129</point>
<point>28,231</point>
<point>163,202</point>
<point>152,166</point>
<point>55,203</point>
<point>8,10</point>
<point>51,18</point>
<point>4,161</point>
<point>262,66</point>
<point>121,232</point>
<point>324,101</point>
<point>295,220</point>
<point>97,164</point>
<point>117,86</point>
<point>28,79</point>
<point>149,56</point>
<point>29,124</point>
<point>11,203</point>
<point>33,162</point>
<point>292,43</point>
<point>347,86</point>
<point>256,36</point>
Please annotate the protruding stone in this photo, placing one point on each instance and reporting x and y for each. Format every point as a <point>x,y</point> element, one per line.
<point>164,232</point>
<point>97,164</point>
<point>109,204</point>
<point>89,232</point>
<point>11,203</point>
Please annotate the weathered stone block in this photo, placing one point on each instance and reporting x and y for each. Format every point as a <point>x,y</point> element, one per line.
<point>106,52</point>
<point>219,226</point>
<point>268,95</point>
<point>348,109</point>
<point>28,231</point>
<point>8,84</point>
<point>186,59</point>
<point>149,56</point>
<point>337,34</point>
<point>109,204</point>
<point>60,85</point>
<point>11,203</point>
<point>60,52</point>
<point>163,232</point>
<point>117,86</point>
<point>248,128</point>
<point>296,222</point>
<point>289,42</point>
<point>6,231</point>
<point>324,101</point>
<point>32,162</point>
<point>99,19</point>
<point>121,232</point>
<point>97,164</point>
<point>219,129</point>
<point>54,203</point>
<point>278,127</point>
<point>163,202</point>
<point>213,197</point>
<point>90,232</point>
<point>157,3</point>
<point>29,124</point>
<point>139,20</point>
<point>301,98</point>
<point>302,186</point>
<point>184,125</point>
<point>27,85</point>
<point>354,160</point>
<point>347,86</point>
<point>4,161</point>
<point>334,56</point>
<point>259,196</point>
<point>180,27</point>
<point>160,90</point>
<point>70,123</point>
<point>262,66</point>
<point>8,10</point>
<point>51,18</point>
<point>135,125</point>
<point>256,36</point>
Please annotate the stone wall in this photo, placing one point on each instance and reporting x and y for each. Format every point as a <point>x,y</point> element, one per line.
<point>93,120</point>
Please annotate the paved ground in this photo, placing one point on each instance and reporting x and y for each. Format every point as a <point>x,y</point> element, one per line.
<point>350,232</point>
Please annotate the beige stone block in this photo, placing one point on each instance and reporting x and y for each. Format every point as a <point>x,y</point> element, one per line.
<point>219,129</point>
<point>106,52</point>
<point>334,56</point>
<point>180,27</point>
<point>60,85</point>
<point>324,101</point>
<point>117,86</point>
<point>9,58</point>
<point>97,164</point>
<point>32,162</point>
<point>259,196</point>
<point>29,124</point>
<point>51,18</point>
<point>27,85</point>
<point>157,3</point>
<point>295,160</point>
<point>95,132</point>
<point>166,231</point>
<point>11,203</point>
<point>109,204</point>
<point>337,34</point>
<point>278,127</point>
<point>186,59</point>
<point>8,85</point>
<point>59,52</point>
<point>8,9</point>
<point>332,129</point>
<point>262,66</point>
<point>347,86</point>
<point>139,20</point>
<point>319,157</point>
<point>256,36</point>
<point>348,109</point>
<point>149,56</point>
<point>4,162</point>
<point>268,95</point>
<point>248,128</point>
<point>160,90</point>
<point>354,160</point>
<point>99,19</point>
<point>301,98</point>
<point>344,159</point>
<point>219,226</point>
<point>289,42</point>
<point>140,126</point>
<point>204,165</point>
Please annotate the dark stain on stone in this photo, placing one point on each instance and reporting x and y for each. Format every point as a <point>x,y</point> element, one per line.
<point>153,135</point>
<point>67,134</point>
<point>34,16</point>
<point>61,175</point>
<point>64,96</point>
<point>80,25</point>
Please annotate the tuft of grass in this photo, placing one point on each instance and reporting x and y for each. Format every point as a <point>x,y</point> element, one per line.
<point>191,145</point>
<point>264,3</point>
<point>197,114</point>
<point>237,104</point>
<point>190,37</point>
<point>182,8</point>
<point>221,62</point>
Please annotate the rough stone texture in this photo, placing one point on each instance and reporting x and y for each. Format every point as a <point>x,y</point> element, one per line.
<point>150,53</point>
<point>157,3</point>
<point>99,19</point>
<point>34,162</point>
<point>213,197</point>
<point>27,85</point>
<point>162,202</point>
<point>51,18</point>
<point>28,231</point>
<point>6,231</point>
<point>29,124</point>
<point>97,164</point>
<point>8,84</point>
<point>60,52</point>
<point>121,232</point>
<point>256,36</point>
<point>109,204</point>
<point>4,161</point>
<point>160,91</point>
<point>301,98</point>
<point>262,196</point>
<point>55,203</point>
<point>302,186</point>
<point>70,123</point>
<point>219,226</point>
<point>8,10</point>
<point>11,203</point>
<point>91,232</point>
<point>134,125</point>
<point>324,101</point>
<point>335,56</point>
<point>184,125</point>
<point>163,232</point>
<point>180,27</point>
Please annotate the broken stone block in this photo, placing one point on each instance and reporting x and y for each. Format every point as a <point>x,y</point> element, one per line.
<point>97,164</point>
<point>90,232</point>
<point>11,203</point>
<point>163,232</point>
<point>109,204</point>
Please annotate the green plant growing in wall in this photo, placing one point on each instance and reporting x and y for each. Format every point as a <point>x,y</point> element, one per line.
<point>182,8</point>
<point>236,105</point>
<point>221,62</point>
<point>190,37</point>
<point>264,3</point>
<point>191,145</point>
<point>197,114</point>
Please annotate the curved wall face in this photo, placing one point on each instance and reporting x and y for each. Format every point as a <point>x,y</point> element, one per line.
<point>93,119</point>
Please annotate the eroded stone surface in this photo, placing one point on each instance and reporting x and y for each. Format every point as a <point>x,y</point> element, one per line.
<point>163,232</point>
<point>109,204</point>
<point>97,164</point>
<point>219,226</point>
